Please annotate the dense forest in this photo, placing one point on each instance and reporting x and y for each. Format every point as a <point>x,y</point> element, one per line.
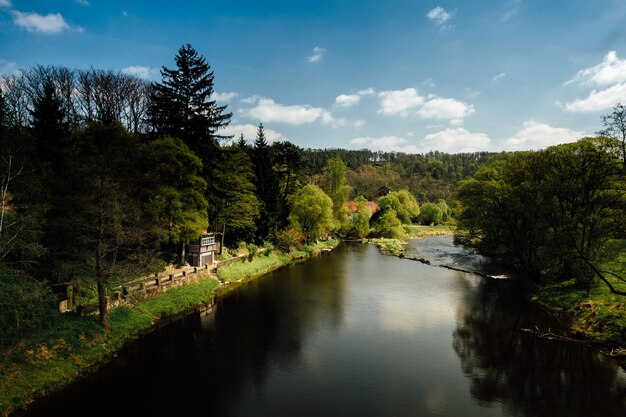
<point>105,177</point>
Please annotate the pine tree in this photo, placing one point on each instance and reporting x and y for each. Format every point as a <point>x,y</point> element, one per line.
<point>267,185</point>
<point>181,105</point>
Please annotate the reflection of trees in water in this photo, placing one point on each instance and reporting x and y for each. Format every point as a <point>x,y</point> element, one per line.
<point>530,376</point>
<point>264,327</point>
<point>193,367</point>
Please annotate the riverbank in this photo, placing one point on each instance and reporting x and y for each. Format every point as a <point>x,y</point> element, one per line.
<point>73,346</point>
<point>599,318</point>
<point>396,247</point>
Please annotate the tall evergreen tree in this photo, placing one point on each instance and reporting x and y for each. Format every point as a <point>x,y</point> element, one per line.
<point>267,186</point>
<point>234,206</point>
<point>181,105</point>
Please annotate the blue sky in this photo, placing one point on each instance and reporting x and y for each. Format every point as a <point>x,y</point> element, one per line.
<point>405,75</point>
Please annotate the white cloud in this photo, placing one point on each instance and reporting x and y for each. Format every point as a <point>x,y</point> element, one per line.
<point>33,22</point>
<point>454,140</point>
<point>316,55</point>
<point>267,110</point>
<point>5,3</point>
<point>367,92</point>
<point>498,77</point>
<point>347,100</point>
<point>611,70</point>
<point>250,100</point>
<point>408,102</point>
<point>385,143</point>
<point>536,135</point>
<point>224,97</point>
<point>400,102</point>
<point>456,122</point>
<point>83,2</point>
<point>598,100</point>
<point>249,132</point>
<point>358,123</point>
<point>140,71</point>
<point>440,16</point>
<point>445,108</point>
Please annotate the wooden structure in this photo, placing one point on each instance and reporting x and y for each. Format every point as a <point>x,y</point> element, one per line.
<point>202,251</point>
<point>382,191</point>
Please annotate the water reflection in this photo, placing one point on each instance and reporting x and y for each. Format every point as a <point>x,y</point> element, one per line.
<point>530,376</point>
<point>353,334</point>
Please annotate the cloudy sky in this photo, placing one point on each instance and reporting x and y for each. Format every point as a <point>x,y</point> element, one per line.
<point>405,75</point>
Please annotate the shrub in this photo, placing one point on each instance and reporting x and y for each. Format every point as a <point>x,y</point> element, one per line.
<point>289,238</point>
<point>253,250</point>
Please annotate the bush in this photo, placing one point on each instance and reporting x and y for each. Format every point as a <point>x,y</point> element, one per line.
<point>253,250</point>
<point>389,225</point>
<point>289,238</point>
<point>431,214</point>
<point>269,248</point>
<point>26,306</point>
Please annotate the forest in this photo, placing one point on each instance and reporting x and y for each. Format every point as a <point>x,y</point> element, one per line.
<point>106,177</point>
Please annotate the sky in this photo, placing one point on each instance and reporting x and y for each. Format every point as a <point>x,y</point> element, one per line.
<point>392,75</point>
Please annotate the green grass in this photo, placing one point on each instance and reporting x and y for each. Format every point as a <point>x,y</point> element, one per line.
<point>600,317</point>
<point>387,246</point>
<point>417,231</point>
<point>74,345</point>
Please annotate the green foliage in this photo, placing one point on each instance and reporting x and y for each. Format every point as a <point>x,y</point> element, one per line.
<point>431,214</point>
<point>175,189</point>
<point>403,203</point>
<point>311,212</point>
<point>289,238</point>
<point>333,183</point>
<point>25,306</point>
<point>253,250</point>
<point>550,213</point>
<point>388,225</point>
<point>234,207</point>
<point>182,105</point>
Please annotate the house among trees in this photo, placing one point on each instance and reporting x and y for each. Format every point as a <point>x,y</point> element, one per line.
<point>382,191</point>
<point>201,251</point>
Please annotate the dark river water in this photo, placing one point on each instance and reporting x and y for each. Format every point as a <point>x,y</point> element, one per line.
<point>356,333</point>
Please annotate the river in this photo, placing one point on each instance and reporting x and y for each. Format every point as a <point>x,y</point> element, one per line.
<point>356,333</point>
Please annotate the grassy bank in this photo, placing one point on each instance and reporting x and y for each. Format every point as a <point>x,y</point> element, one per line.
<point>72,346</point>
<point>396,247</point>
<point>601,317</point>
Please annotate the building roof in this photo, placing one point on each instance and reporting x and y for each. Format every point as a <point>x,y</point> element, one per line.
<point>353,206</point>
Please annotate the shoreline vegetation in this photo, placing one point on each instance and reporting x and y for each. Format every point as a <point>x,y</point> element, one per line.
<point>75,346</point>
<point>397,247</point>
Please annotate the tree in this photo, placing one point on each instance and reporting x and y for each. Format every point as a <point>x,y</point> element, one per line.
<point>172,178</point>
<point>388,225</point>
<point>334,183</point>
<point>403,203</point>
<point>360,220</point>
<point>615,127</point>
<point>312,212</point>
<point>431,214</point>
<point>182,105</point>
<point>267,185</point>
<point>105,217</point>
<point>234,205</point>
